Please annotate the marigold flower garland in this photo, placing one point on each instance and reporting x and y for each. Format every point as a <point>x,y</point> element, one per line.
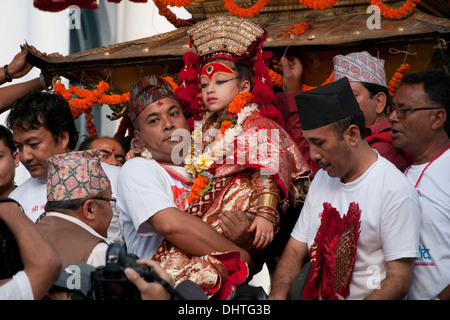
<point>318,4</point>
<point>201,165</point>
<point>170,16</point>
<point>297,29</point>
<point>395,81</point>
<point>254,10</point>
<point>245,13</point>
<point>85,100</point>
<point>177,3</point>
<point>398,13</point>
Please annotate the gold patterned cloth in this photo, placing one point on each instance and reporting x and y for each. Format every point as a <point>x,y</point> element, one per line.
<point>239,187</point>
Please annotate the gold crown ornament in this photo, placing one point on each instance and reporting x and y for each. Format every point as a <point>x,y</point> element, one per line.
<point>225,37</point>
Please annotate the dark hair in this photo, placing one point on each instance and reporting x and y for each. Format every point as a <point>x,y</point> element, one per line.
<point>44,109</point>
<point>73,204</point>
<point>375,89</point>
<point>356,119</point>
<point>7,138</point>
<point>242,70</point>
<point>436,84</point>
<point>87,143</point>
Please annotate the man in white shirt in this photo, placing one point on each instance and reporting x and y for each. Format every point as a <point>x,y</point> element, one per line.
<point>420,125</point>
<point>351,171</point>
<point>153,191</point>
<point>43,126</point>
<point>41,263</point>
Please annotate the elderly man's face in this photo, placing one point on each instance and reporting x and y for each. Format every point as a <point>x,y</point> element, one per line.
<point>156,124</point>
<point>411,129</point>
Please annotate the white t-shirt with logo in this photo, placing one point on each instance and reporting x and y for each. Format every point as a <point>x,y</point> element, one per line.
<point>144,189</point>
<point>432,269</point>
<point>390,219</point>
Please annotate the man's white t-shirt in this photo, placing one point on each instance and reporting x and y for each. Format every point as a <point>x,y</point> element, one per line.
<point>390,219</point>
<point>144,189</point>
<point>432,269</point>
<point>32,196</point>
<point>18,288</point>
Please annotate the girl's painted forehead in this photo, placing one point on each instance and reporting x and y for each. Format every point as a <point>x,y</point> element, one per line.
<point>213,68</point>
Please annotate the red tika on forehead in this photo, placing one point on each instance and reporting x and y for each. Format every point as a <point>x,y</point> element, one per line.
<point>213,68</point>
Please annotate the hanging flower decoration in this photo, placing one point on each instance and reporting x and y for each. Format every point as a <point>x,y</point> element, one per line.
<point>164,11</point>
<point>329,80</point>
<point>202,163</point>
<point>297,29</point>
<point>398,13</point>
<point>85,99</point>
<point>318,4</point>
<point>245,13</point>
<point>277,79</point>
<point>395,81</point>
<point>177,3</point>
<point>172,83</point>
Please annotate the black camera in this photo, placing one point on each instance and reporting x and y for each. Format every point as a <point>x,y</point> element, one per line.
<point>109,282</point>
<point>10,258</point>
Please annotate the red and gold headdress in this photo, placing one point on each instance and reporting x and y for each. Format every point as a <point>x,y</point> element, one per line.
<point>225,37</point>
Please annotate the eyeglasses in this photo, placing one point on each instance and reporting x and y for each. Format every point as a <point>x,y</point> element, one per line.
<point>401,112</point>
<point>112,201</point>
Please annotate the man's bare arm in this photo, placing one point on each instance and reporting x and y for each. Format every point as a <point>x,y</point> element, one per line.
<point>398,279</point>
<point>192,235</point>
<point>288,267</point>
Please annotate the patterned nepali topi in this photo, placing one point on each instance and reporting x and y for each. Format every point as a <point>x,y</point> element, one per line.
<point>75,175</point>
<point>147,90</point>
<point>360,67</point>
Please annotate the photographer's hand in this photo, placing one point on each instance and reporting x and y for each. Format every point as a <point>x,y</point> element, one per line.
<point>150,290</point>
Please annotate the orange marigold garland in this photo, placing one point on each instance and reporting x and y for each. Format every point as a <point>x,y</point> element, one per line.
<point>172,83</point>
<point>82,100</point>
<point>398,13</point>
<point>318,4</point>
<point>170,16</point>
<point>277,79</point>
<point>297,29</point>
<point>395,81</point>
<point>201,182</point>
<point>329,80</point>
<point>177,3</point>
<point>245,13</point>
<point>239,102</point>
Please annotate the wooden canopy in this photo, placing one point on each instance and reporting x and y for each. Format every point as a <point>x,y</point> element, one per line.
<point>340,30</point>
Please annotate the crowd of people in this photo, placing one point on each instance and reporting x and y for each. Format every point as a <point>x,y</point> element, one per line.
<point>363,174</point>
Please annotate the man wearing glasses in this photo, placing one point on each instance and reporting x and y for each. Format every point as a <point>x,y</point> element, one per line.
<point>420,125</point>
<point>79,207</point>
